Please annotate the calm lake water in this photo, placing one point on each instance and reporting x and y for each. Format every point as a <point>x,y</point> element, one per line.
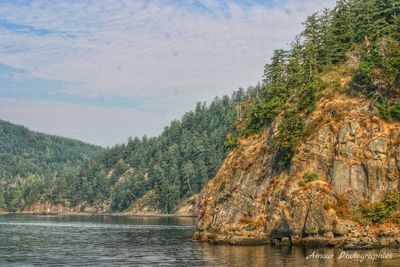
<point>142,241</point>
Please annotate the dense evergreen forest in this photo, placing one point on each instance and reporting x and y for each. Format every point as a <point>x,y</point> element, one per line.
<point>176,164</point>
<point>360,37</point>
<point>31,163</point>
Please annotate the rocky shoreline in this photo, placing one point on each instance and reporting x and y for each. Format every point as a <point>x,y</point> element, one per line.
<point>356,238</point>
<point>187,208</point>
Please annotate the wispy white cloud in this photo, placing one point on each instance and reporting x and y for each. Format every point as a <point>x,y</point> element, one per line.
<point>175,53</point>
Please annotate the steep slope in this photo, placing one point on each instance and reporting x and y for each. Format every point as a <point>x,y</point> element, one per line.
<point>318,158</point>
<point>354,156</point>
<point>31,162</point>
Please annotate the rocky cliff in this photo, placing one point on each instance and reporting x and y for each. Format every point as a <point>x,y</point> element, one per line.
<point>347,157</point>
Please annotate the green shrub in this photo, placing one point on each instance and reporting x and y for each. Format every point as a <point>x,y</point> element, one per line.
<point>390,110</point>
<point>374,212</point>
<point>230,141</point>
<point>379,212</point>
<point>222,186</point>
<point>308,177</point>
<point>363,75</point>
<point>392,200</point>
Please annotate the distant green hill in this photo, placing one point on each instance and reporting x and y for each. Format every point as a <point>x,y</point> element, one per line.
<point>26,155</point>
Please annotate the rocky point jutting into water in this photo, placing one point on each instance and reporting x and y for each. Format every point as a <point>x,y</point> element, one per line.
<point>351,155</point>
<point>318,155</point>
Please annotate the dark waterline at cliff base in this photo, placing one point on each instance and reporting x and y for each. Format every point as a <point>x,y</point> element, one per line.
<point>144,241</point>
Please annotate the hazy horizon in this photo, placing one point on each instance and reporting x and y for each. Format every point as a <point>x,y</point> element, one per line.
<point>101,72</point>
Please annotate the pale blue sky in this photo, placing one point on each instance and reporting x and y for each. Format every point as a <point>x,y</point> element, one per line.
<point>101,71</point>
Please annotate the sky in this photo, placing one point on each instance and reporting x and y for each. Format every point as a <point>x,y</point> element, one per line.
<point>102,71</point>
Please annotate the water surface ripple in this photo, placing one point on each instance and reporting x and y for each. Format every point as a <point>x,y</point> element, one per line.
<point>140,241</point>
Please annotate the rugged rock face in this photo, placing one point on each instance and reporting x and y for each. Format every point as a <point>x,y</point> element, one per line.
<point>354,153</point>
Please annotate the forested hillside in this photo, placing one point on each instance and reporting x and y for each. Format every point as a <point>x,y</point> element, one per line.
<point>175,164</point>
<point>38,168</point>
<point>32,163</point>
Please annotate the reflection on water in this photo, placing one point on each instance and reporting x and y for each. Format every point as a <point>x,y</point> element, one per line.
<point>141,241</point>
<point>290,256</point>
